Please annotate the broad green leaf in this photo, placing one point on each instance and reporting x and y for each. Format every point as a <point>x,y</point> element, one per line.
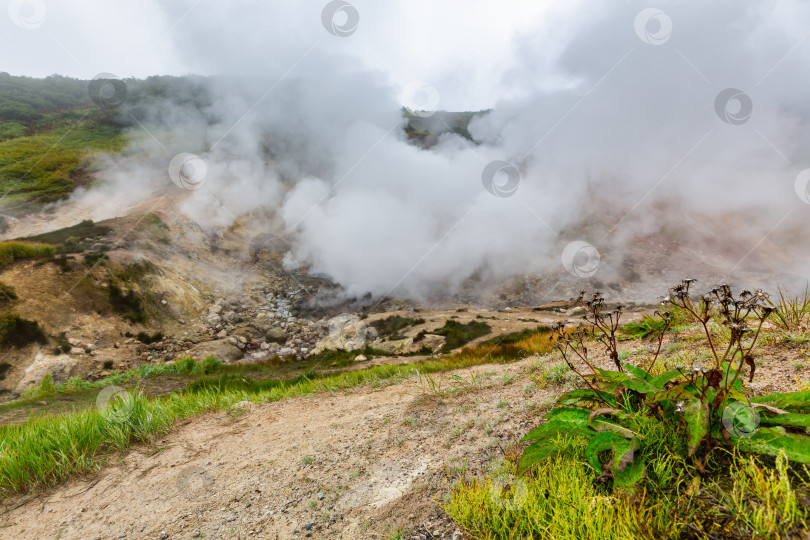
<point>612,376</point>
<point>569,415</point>
<point>661,380</point>
<point>640,385</point>
<point>553,429</point>
<point>605,426</point>
<point>771,440</point>
<point>791,401</point>
<point>600,443</point>
<point>736,394</point>
<point>677,393</point>
<point>534,453</point>
<point>696,416</point>
<point>638,372</point>
<point>789,419</point>
<point>625,481</point>
<point>562,420</point>
<point>739,418</point>
<point>627,468</point>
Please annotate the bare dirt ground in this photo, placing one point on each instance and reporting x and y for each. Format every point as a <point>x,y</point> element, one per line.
<point>361,464</point>
<point>349,465</point>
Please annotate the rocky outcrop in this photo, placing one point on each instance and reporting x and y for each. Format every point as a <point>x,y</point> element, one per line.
<point>60,367</point>
<point>346,331</point>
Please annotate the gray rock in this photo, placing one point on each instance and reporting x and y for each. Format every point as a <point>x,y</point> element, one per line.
<point>346,332</point>
<point>60,367</point>
<point>220,348</point>
<point>276,334</point>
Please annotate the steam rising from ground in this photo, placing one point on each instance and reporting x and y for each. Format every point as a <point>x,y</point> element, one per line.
<point>607,116</point>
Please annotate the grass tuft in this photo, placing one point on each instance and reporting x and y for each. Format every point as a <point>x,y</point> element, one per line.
<point>16,251</point>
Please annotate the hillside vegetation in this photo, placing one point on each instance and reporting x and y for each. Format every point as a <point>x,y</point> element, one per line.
<point>52,132</point>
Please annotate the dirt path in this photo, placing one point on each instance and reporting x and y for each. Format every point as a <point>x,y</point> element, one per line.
<point>348,465</point>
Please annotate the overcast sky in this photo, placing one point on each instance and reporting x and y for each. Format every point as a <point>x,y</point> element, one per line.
<point>464,47</point>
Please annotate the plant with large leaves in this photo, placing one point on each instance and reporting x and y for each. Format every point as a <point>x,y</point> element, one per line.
<point>707,407</point>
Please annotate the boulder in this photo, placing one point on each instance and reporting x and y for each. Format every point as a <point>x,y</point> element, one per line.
<point>346,331</point>
<point>276,335</point>
<point>60,367</point>
<point>220,348</point>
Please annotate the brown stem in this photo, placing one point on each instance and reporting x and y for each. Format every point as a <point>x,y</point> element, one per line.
<point>746,353</point>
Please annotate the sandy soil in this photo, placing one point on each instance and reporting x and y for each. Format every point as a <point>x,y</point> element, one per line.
<point>351,465</point>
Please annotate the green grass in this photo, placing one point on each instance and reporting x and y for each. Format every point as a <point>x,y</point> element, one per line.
<point>648,327</point>
<point>792,311</point>
<point>48,450</point>
<point>563,499</point>
<point>16,251</point>
<point>46,166</point>
<point>7,293</point>
<point>457,334</point>
<point>183,366</point>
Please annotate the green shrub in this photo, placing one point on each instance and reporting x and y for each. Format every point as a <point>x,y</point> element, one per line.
<point>515,337</point>
<point>457,334</point>
<point>18,332</point>
<point>147,339</point>
<point>390,327</point>
<point>647,432</point>
<point>126,303</point>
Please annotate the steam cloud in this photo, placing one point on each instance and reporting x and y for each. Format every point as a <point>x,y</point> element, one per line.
<point>625,131</point>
